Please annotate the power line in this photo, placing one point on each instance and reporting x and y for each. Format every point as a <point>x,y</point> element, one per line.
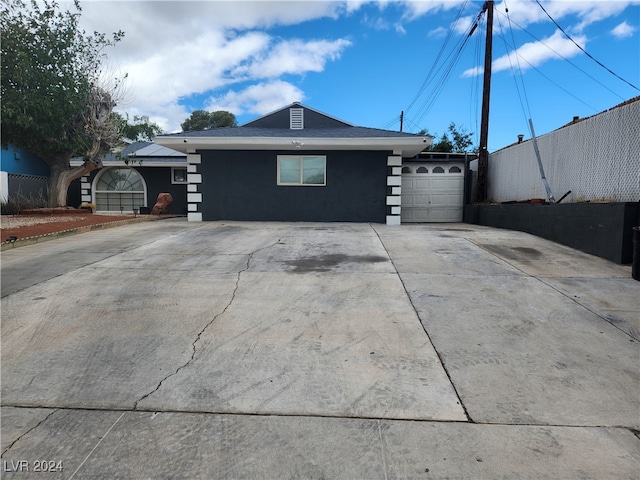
<point>427,78</point>
<point>446,71</point>
<point>524,90</point>
<point>561,56</point>
<point>584,51</point>
<point>518,58</point>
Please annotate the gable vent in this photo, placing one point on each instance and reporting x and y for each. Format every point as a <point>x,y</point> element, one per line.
<point>296,118</point>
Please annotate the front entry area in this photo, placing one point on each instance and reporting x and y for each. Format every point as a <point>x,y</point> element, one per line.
<point>432,192</point>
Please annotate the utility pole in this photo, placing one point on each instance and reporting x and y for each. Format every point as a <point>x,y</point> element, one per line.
<point>483,154</point>
<point>401,119</point>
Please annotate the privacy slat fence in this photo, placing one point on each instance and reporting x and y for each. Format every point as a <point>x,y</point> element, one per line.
<point>596,158</point>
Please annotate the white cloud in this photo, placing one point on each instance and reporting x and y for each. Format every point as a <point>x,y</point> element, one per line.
<point>523,13</point>
<point>417,8</point>
<point>439,32</point>
<point>174,50</point>
<point>623,30</point>
<point>292,57</point>
<point>534,54</point>
<point>259,99</point>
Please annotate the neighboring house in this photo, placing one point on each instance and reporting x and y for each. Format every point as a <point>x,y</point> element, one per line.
<point>22,173</point>
<point>121,187</point>
<point>295,164</point>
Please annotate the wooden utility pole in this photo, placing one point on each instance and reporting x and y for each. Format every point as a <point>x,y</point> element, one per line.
<point>483,154</point>
<point>401,120</point>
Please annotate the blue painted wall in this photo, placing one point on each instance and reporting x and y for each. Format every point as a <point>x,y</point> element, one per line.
<point>24,162</point>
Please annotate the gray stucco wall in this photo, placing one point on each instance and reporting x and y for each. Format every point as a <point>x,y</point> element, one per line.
<point>242,185</point>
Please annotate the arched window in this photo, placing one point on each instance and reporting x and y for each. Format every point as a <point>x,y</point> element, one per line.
<point>119,189</point>
<point>438,170</point>
<point>422,170</point>
<point>406,170</point>
<point>455,169</point>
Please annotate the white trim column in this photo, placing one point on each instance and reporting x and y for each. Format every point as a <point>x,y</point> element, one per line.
<point>394,188</point>
<point>85,190</point>
<point>194,188</point>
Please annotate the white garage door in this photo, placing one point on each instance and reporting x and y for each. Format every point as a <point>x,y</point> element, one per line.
<point>432,192</point>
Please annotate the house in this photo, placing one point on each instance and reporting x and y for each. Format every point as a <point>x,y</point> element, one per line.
<point>23,173</point>
<point>295,164</point>
<point>132,179</point>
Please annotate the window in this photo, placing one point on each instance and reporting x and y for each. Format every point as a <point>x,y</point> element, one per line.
<point>406,170</point>
<point>422,170</point>
<point>455,170</point>
<point>302,170</point>
<point>119,189</point>
<point>178,175</point>
<point>438,170</point>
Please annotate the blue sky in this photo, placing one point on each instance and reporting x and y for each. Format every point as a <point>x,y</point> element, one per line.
<point>365,62</point>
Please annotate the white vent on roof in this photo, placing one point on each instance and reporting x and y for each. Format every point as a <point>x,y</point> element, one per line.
<point>296,118</point>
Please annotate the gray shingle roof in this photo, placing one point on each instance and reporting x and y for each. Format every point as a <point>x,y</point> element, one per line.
<point>249,132</point>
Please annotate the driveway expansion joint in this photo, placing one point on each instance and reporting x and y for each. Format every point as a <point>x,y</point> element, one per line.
<point>415,310</point>
<point>215,317</point>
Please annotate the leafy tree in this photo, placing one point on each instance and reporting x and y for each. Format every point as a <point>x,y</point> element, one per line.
<point>53,101</point>
<point>203,120</point>
<point>459,142</point>
<point>140,130</point>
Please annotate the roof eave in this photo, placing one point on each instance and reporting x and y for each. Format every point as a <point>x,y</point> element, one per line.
<point>409,146</point>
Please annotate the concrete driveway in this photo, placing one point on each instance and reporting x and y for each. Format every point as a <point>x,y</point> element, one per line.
<point>278,350</point>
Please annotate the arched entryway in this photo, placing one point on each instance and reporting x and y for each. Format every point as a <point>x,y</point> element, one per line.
<point>119,189</point>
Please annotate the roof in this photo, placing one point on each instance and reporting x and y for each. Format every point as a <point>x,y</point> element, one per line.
<point>147,154</point>
<point>248,132</point>
<point>274,132</point>
<point>328,120</point>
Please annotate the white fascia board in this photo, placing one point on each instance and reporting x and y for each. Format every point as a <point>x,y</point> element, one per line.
<point>410,146</point>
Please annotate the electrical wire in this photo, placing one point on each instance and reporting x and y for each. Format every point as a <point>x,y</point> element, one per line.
<point>476,89</point>
<point>427,78</point>
<point>516,75</point>
<point>584,51</point>
<point>561,56</point>
<point>445,72</point>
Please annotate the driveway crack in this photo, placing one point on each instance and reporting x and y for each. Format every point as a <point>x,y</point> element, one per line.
<point>27,432</point>
<point>194,349</point>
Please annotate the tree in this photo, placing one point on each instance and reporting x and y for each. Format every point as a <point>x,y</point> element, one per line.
<point>203,120</point>
<point>140,130</point>
<point>54,101</point>
<point>460,141</point>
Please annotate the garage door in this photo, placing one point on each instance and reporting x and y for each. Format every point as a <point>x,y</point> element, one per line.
<point>432,192</point>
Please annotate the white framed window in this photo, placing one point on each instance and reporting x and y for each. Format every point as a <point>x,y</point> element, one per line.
<point>307,170</point>
<point>178,175</point>
<point>119,189</point>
